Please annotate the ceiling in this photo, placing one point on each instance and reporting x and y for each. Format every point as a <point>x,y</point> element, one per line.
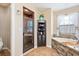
<point>55,6</point>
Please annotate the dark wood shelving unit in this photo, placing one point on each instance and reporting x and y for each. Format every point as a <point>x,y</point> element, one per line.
<point>41,33</point>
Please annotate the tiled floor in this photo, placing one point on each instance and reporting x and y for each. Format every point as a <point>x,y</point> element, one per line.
<point>42,51</point>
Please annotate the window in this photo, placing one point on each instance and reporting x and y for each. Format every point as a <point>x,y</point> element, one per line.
<point>64,20</point>
<point>68,19</point>
<point>67,23</point>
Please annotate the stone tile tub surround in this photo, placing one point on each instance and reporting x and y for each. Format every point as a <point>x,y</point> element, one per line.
<point>64,50</point>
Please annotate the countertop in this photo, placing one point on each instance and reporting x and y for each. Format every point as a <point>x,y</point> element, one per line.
<point>68,42</point>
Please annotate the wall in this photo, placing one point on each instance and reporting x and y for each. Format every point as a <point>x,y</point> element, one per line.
<point>5,25</point>
<point>47,15</point>
<point>52,22</point>
<point>17,27</point>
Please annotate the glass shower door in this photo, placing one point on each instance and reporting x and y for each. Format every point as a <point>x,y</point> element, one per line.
<point>28,35</point>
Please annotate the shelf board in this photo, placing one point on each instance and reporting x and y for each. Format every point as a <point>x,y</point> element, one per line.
<point>28,35</point>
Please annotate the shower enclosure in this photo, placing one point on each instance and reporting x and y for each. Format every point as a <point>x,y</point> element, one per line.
<point>28,29</point>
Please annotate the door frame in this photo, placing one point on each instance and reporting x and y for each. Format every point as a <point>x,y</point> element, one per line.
<point>33,20</point>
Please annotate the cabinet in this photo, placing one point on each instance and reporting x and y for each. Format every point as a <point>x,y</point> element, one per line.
<point>41,33</point>
<point>64,50</point>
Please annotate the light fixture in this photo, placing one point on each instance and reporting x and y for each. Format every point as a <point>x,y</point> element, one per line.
<point>26,10</point>
<point>41,17</point>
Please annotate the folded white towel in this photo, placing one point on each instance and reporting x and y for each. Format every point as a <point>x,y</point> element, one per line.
<point>1,43</point>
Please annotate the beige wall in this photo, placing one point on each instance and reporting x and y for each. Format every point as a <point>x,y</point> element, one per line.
<point>47,15</point>
<point>50,19</point>
<point>53,22</point>
<point>17,25</point>
<point>5,25</point>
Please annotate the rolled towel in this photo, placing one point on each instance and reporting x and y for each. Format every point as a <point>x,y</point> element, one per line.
<point>1,43</point>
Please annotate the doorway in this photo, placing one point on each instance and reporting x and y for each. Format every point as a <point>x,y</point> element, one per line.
<point>28,29</point>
